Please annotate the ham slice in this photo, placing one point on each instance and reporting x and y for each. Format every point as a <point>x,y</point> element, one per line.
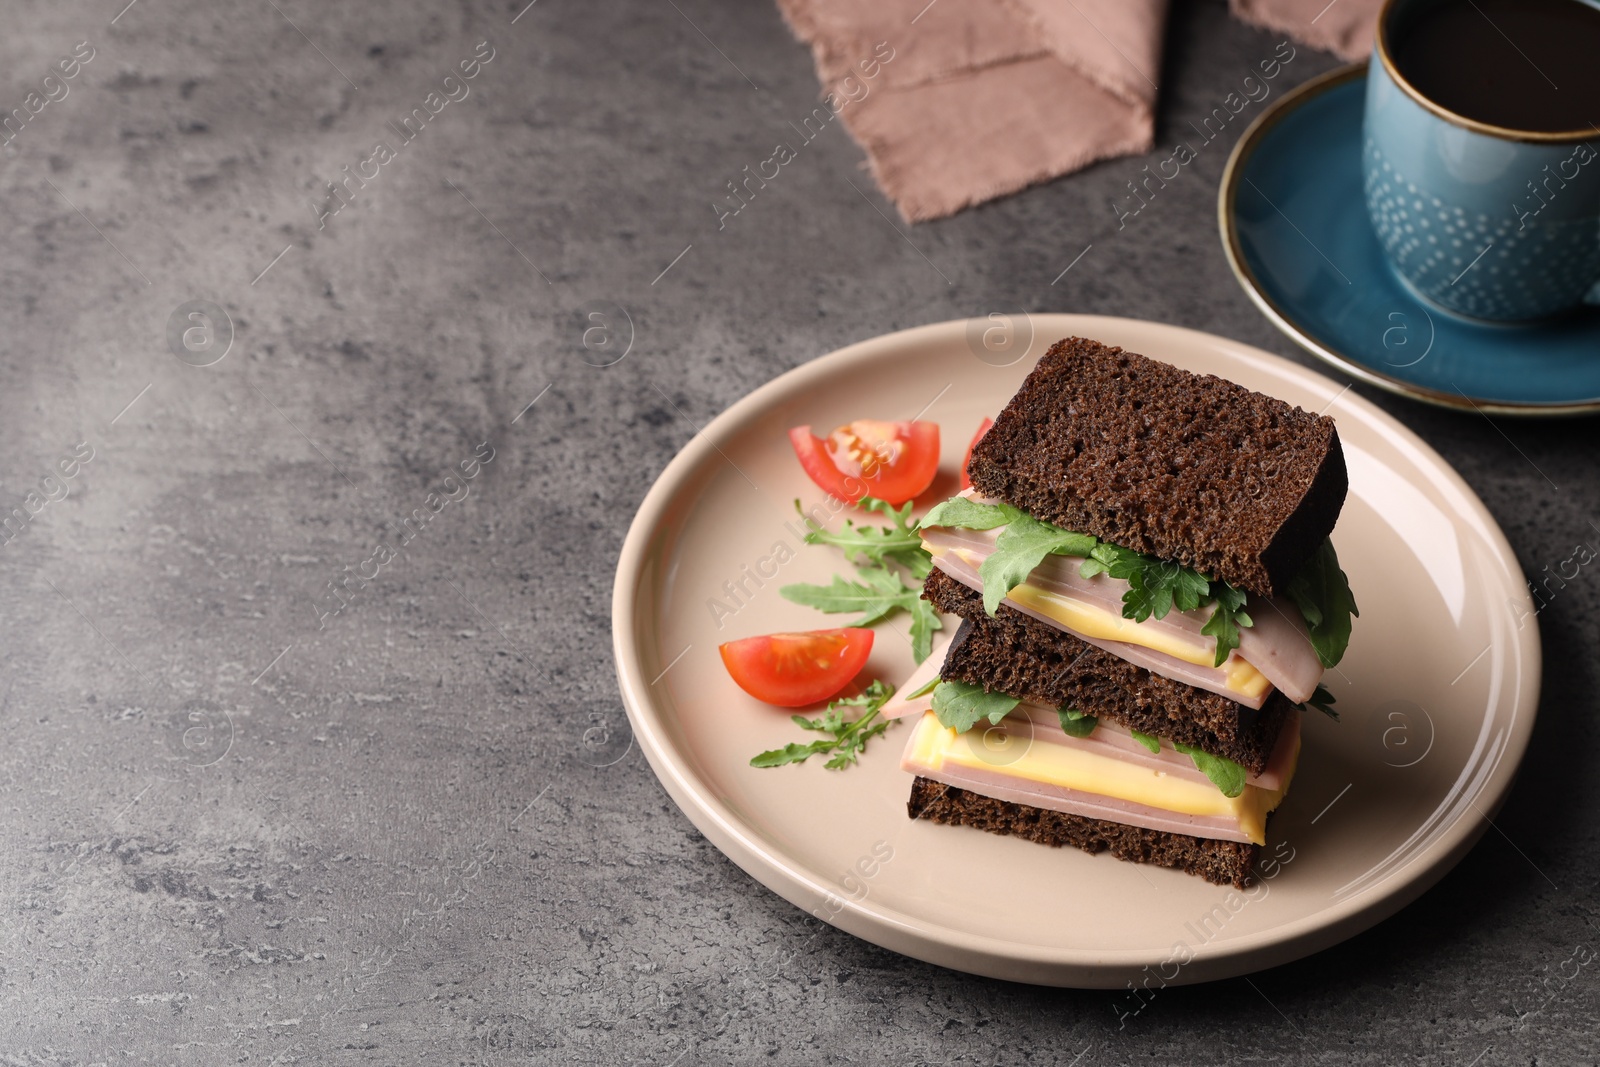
<point>1026,726</point>
<point>1212,679</point>
<point>1279,646</point>
<point>1117,741</point>
<point>902,703</point>
<point>1089,805</point>
<point>1035,724</point>
<point>1277,643</point>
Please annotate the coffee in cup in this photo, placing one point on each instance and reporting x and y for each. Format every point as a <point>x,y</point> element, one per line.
<point>1481,152</point>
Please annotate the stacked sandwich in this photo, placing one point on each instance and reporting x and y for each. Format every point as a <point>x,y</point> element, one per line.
<point>1148,598</point>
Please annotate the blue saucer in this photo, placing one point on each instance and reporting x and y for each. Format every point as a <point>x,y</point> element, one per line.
<point>1295,229</point>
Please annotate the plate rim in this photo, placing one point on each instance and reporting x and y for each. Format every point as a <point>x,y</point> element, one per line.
<point>1227,222</point>
<point>982,954</point>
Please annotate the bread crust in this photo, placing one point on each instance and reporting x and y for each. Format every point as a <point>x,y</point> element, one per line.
<point>1186,467</point>
<point>1219,862</point>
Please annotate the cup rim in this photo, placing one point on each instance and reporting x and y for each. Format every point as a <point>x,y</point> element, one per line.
<point>1381,46</point>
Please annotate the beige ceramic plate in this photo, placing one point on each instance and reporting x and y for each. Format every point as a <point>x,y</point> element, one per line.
<point>1438,691</point>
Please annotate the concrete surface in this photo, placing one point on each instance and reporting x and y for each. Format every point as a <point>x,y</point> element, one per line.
<point>239,827</point>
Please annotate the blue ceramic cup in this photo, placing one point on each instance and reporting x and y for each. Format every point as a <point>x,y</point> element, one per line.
<point>1482,220</point>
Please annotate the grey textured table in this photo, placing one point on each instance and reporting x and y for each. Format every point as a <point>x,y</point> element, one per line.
<point>247,821</point>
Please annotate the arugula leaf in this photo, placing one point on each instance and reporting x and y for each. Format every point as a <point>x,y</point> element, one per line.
<point>1226,619</point>
<point>1157,589</point>
<point>790,753</point>
<point>1322,593</point>
<point>1323,701</point>
<point>880,593</point>
<point>959,705</point>
<point>850,737</point>
<point>924,690</point>
<point>906,548</point>
<point>863,544</point>
<point>1156,586</point>
<point>1225,774</point>
<point>1147,740</point>
<point>1106,558</point>
<point>969,514</point>
<point>1021,547</point>
<point>1076,723</point>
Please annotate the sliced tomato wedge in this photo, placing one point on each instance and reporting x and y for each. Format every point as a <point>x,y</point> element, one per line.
<point>893,461</point>
<point>793,670</point>
<point>983,428</point>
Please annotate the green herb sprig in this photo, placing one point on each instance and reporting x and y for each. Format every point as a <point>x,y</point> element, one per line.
<point>1155,586</point>
<point>969,514</point>
<point>1226,619</point>
<point>959,705</point>
<point>1150,741</point>
<point>1021,547</point>
<point>879,590</point>
<point>1323,701</point>
<point>1322,593</point>
<point>898,542</point>
<point>1225,774</point>
<point>849,738</point>
<point>1076,723</point>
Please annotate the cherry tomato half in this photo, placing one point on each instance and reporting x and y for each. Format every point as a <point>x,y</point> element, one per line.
<point>893,461</point>
<point>793,670</point>
<point>983,428</point>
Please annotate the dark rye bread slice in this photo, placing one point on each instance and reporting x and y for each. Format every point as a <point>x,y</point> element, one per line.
<point>1180,466</point>
<point>1023,657</point>
<point>1222,862</point>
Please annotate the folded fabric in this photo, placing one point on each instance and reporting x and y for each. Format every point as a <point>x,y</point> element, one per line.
<point>968,100</point>
<point>1343,27</point>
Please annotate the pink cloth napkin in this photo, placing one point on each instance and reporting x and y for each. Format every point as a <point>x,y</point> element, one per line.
<point>960,101</point>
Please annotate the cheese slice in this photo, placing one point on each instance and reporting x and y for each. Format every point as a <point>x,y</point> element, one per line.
<point>1095,622</point>
<point>934,748</point>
